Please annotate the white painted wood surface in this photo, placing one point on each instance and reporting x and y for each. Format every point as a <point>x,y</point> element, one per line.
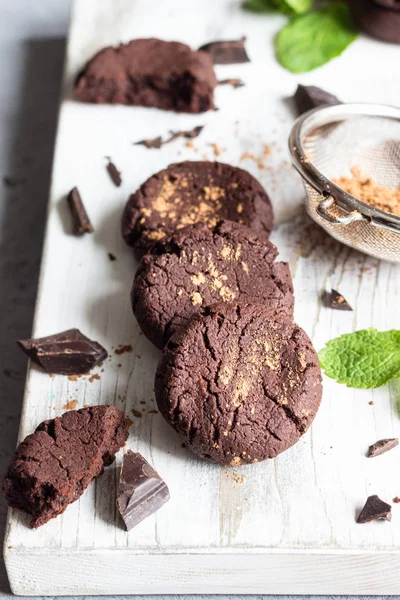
<point>289,526</point>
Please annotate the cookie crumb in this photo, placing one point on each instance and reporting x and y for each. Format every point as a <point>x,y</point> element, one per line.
<point>122,348</point>
<point>70,405</point>
<point>94,377</point>
<point>396,500</point>
<point>136,413</point>
<point>238,478</point>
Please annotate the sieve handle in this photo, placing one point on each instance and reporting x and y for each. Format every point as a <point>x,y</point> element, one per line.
<point>323,211</point>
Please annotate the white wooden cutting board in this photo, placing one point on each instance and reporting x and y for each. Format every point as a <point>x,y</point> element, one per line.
<point>283,526</point>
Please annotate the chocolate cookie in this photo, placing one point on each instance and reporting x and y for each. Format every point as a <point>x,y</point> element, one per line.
<point>189,192</point>
<point>52,467</point>
<point>197,267</point>
<point>378,18</point>
<point>149,72</point>
<point>238,384</point>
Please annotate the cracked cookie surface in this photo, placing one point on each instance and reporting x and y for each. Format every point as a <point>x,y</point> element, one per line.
<point>190,192</point>
<point>53,466</point>
<point>198,266</point>
<point>238,384</point>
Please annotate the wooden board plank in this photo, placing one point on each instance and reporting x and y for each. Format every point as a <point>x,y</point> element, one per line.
<point>293,514</point>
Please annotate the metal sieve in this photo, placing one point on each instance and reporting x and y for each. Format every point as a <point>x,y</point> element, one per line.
<point>325,144</point>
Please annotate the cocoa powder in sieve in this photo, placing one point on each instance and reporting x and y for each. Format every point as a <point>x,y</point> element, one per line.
<point>369,191</point>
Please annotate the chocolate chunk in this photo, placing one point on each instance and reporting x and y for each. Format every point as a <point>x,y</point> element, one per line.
<point>335,300</point>
<point>114,173</point>
<point>226,52</point>
<point>236,83</point>
<point>141,491</point>
<point>378,18</point>
<point>382,446</point>
<point>150,143</point>
<point>375,509</point>
<point>69,352</point>
<point>112,256</point>
<point>307,97</point>
<point>80,219</point>
<point>149,72</point>
<point>52,467</point>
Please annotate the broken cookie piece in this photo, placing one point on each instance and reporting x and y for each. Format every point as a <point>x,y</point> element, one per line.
<point>68,353</point>
<point>375,509</point>
<point>239,383</point>
<point>141,491</point>
<point>52,467</point>
<point>149,72</point>
<point>307,97</point>
<point>382,446</point>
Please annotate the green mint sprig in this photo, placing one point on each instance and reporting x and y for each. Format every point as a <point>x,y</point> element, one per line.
<point>313,36</point>
<point>364,359</point>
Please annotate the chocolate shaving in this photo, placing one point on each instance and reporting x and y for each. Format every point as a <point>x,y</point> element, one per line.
<point>236,83</point>
<point>226,52</point>
<point>80,220</point>
<point>307,97</point>
<point>114,173</point>
<point>374,510</point>
<point>158,141</point>
<point>382,446</point>
<point>150,143</point>
<point>111,256</point>
<point>141,491</point>
<point>335,300</point>
<point>69,352</point>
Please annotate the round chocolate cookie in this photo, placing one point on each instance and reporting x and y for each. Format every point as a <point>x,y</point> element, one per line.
<point>189,192</point>
<point>198,266</point>
<point>378,18</point>
<point>238,384</point>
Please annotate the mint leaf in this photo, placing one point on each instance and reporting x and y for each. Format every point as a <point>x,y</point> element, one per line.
<point>311,40</point>
<point>364,359</point>
<point>289,7</point>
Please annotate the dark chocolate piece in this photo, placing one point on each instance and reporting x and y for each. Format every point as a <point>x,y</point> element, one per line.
<point>150,143</point>
<point>378,18</point>
<point>382,446</point>
<point>236,83</point>
<point>52,467</point>
<point>307,97</point>
<point>114,173</point>
<point>149,72</point>
<point>141,491</point>
<point>226,52</point>
<point>80,219</point>
<point>69,352</point>
<point>112,256</point>
<point>375,509</point>
<point>335,300</point>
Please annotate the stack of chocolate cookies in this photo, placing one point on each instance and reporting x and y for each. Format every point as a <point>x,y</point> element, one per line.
<point>238,380</point>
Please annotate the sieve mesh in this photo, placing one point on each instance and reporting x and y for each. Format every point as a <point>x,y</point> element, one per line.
<point>371,143</point>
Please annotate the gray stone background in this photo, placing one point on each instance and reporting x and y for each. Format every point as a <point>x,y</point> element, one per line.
<point>32,44</point>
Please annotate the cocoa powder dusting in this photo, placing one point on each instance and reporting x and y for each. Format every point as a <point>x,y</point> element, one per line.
<point>368,190</point>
